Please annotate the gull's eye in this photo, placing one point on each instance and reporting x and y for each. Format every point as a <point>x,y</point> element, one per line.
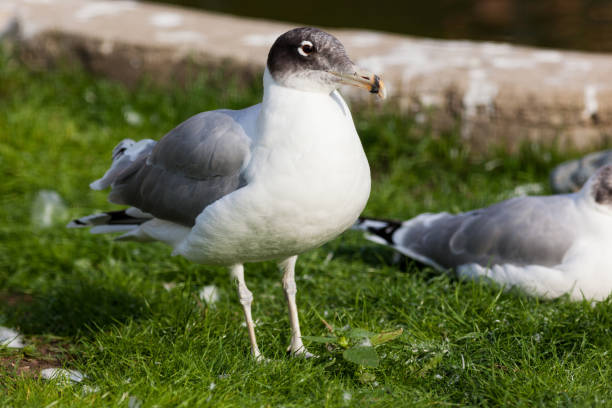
<point>306,48</point>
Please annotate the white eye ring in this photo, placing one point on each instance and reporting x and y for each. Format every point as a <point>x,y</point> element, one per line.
<point>308,45</point>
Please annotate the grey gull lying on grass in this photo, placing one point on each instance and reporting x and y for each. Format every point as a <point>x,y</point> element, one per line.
<point>267,182</point>
<point>571,175</point>
<point>547,245</point>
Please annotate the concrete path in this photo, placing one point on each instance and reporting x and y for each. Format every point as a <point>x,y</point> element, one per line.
<point>499,92</point>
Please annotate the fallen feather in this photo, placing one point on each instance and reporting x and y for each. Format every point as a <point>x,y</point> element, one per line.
<point>209,294</point>
<point>134,402</point>
<point>10,338</point>
<point>48,208</point>
<point>132,117</point>
<point>62,374</point>
<point>169,285</point>
<point>523,190</point>
<point>90,389</point>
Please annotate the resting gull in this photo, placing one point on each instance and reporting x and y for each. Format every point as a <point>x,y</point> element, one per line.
<point>571,175</point>
<point>546,245</point>
<point>267,182</point>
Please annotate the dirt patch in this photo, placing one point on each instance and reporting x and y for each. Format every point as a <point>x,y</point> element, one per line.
<point>41,352</point>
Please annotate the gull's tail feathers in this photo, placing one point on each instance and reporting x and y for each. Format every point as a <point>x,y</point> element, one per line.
<point>403,236</point>
<point>127,221</point>
<point>125,154</point>
<point>378,230</point>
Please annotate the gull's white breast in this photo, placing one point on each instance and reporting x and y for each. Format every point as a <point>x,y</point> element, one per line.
<point>308,181</point>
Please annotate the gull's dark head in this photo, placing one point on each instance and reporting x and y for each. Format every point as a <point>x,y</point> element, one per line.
<point>309,59</point>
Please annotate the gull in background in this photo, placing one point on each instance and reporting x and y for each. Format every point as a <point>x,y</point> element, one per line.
<point>546,245</point>
<point>267,182</point>
<point>570,176</point>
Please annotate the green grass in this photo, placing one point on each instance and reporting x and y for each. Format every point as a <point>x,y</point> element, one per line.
<point>103,305</point>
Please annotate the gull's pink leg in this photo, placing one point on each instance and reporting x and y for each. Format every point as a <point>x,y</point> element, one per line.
<point>296,348</point>
<point>246,299</point>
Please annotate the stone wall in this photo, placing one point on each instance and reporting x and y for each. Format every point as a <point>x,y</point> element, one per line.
<point>497,92</point>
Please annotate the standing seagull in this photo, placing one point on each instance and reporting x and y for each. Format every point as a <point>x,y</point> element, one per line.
<point>264,183</point>
<point>548,245</point>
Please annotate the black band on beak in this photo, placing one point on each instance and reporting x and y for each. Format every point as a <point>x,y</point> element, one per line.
<point>376,86</point>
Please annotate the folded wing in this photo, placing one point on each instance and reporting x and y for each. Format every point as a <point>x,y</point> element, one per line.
<point>520,231</point>
<point>195,164</point>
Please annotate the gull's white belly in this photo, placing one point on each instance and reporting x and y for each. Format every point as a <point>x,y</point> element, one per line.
<point>275,227</point>
<point>264,221</point>
<point>304,188</point>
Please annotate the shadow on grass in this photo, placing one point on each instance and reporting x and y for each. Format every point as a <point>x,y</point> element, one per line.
<point>70,308</point>
<point>367,252</point>
<point>378,256</point>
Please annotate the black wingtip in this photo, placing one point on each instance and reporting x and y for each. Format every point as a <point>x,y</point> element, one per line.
<point>385,231</point>
<point>119,217</point>
<point>76,224</point>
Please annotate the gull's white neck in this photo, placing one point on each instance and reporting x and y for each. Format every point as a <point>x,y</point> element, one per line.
<point>312,113</point>
<point>271,87</point>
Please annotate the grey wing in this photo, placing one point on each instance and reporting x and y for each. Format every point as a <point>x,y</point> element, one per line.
<point>520,231</point>
<point>192,166</point>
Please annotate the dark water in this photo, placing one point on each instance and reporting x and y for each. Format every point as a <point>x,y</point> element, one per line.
<point>569,24</point>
